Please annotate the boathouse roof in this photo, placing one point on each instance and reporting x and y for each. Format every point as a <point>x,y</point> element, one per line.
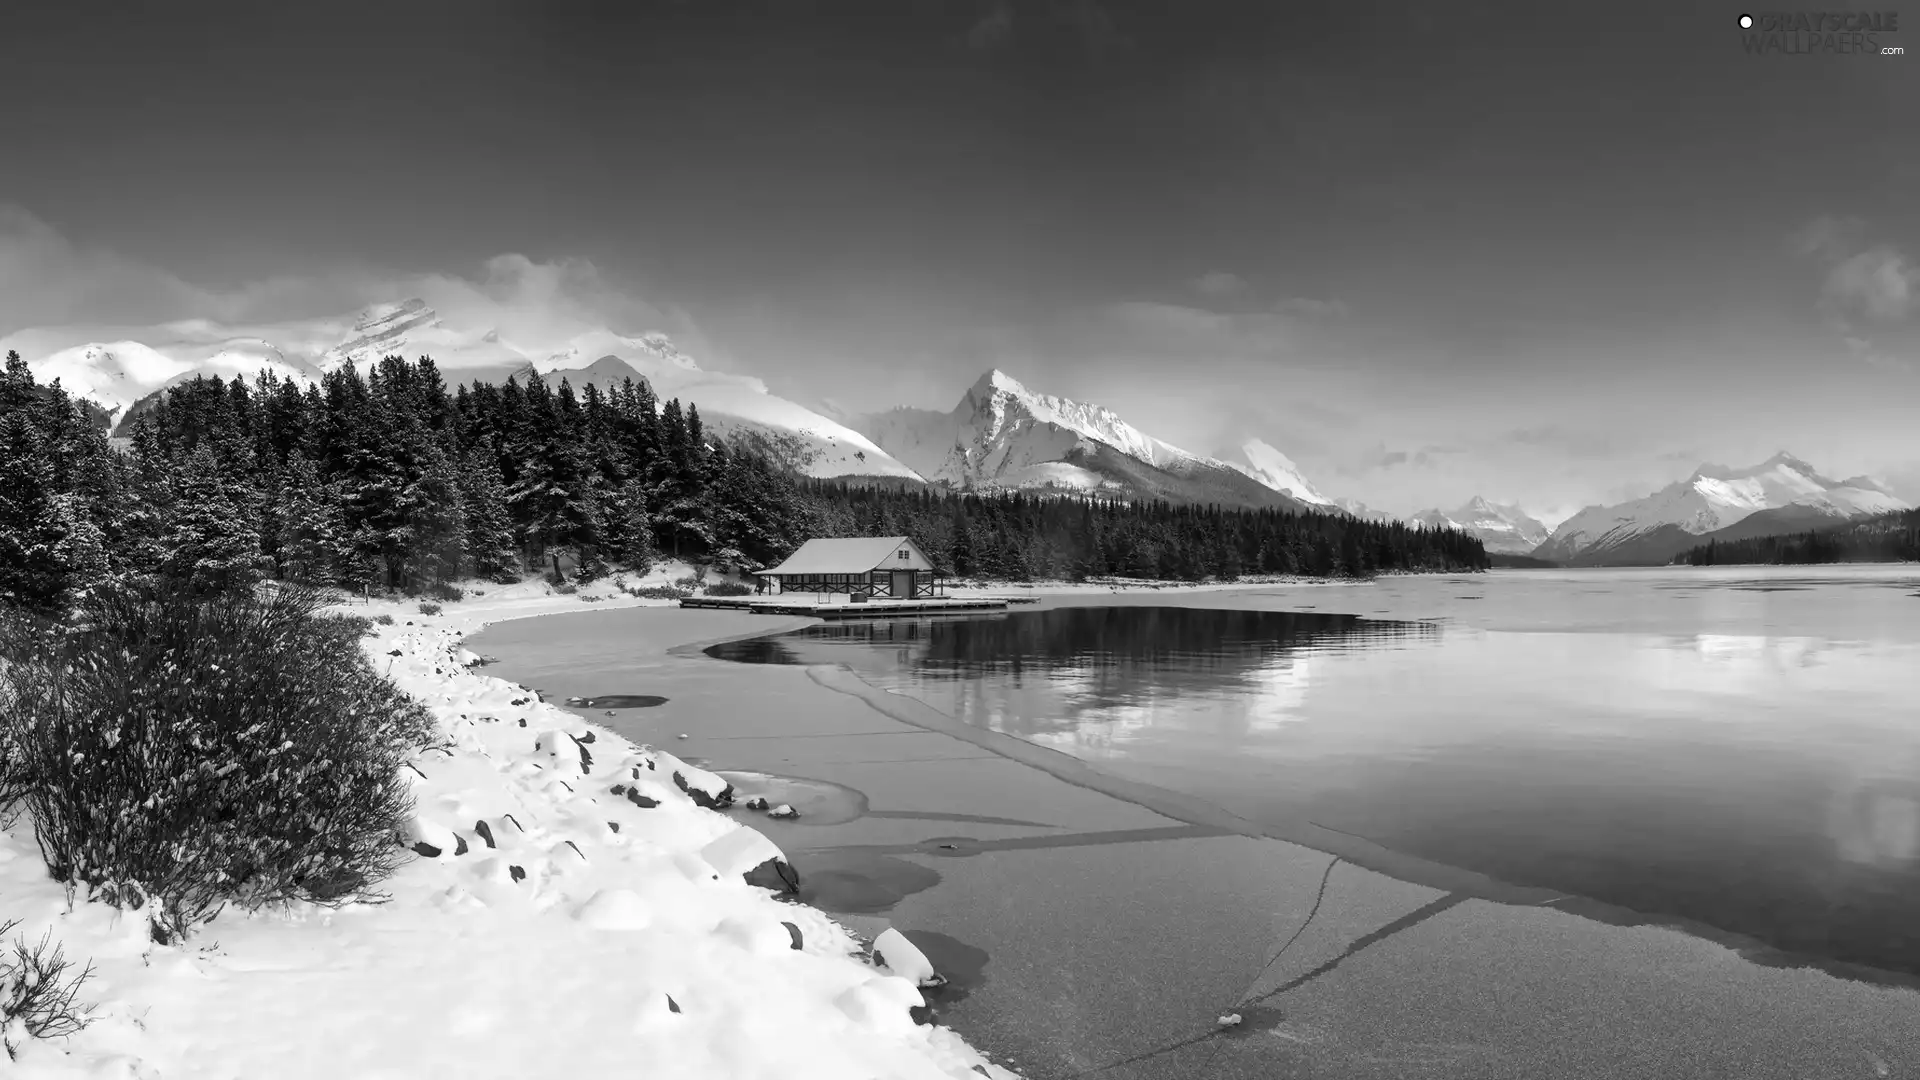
<point>851,555</point>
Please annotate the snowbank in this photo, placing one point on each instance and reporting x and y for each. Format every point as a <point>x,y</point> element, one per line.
<point>572,912</point>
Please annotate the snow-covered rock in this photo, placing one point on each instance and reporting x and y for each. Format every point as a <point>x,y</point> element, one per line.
<point>1500,527</point>
<point>1713,498</point>
<point>902,957</point>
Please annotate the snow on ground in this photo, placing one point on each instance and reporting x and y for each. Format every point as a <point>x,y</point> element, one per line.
<point>583,917</point>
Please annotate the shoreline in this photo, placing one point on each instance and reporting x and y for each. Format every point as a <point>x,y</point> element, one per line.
<point>531,893</point>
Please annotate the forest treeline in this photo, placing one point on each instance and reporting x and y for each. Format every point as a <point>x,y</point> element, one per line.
<point>387,478</point>
<point>1893,537</point>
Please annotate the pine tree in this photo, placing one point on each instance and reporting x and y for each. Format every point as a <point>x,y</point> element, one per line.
<point>636,528</point>
<point>490,548</point>
<point>59,496</point>
<point>31,574</point>
<point>312,543</point>
<point>436,520</point>
<point>211,541</point>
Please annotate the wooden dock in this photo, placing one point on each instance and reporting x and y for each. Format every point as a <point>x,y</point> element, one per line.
<point>872,609</point>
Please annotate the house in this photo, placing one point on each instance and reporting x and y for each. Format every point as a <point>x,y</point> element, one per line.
<point>863,567</point>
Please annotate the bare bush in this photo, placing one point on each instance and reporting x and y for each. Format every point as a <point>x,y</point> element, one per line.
<point>39,991</point>
<point>659,592</point>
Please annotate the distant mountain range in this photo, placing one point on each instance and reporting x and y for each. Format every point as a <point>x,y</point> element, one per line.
<point>1502,529</point>
<point>117,374</point>
<point>1781,494</point>
<point>1001,436</point>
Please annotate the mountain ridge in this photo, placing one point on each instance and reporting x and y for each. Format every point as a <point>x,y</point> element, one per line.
<point>118,375</point>
<point>1501,528</point>
<point>1645,531</point>
<point>1003,436</point>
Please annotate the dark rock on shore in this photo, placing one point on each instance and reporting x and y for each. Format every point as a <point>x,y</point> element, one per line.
<point>703,798</point>
<point>777,875</point>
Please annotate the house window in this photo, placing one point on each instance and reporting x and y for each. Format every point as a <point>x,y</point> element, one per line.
<point>903,554</point>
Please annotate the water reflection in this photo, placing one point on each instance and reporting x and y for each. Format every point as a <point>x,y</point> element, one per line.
<point>1766,785</point>
<point>1094,680</point>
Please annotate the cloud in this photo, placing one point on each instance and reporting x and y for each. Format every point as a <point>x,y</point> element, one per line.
<point>1568,441</point>
<point>1307,307</point>
<point>539,303</point>
<point>1093,26</point>
<point>1425,457</point>
<point>1085,24</point>
<point>994,29</point>
<point>1866,287</point>
<point>1878,283</point>
<point>1219,283</point>
<point>46,281</point>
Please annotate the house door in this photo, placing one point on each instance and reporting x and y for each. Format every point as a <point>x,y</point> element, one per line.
<point>903,584</point>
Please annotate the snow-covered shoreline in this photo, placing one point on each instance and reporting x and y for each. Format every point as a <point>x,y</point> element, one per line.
<point>582,917</point>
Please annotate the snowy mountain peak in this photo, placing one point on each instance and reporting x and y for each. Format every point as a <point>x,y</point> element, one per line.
<point>998,380</point>
<point>1782,462</point>
<point>1276,470</point>
<point>1004,435</point>
<point>1003,403</point>
<point>1716,497</point>
<point>381,330</point>
<point>376,315</point>
<point>652,354</point>
<point>115,375</point>
<point>1357,509</point>
<point>1500,528</point>
<point>1867,483</point>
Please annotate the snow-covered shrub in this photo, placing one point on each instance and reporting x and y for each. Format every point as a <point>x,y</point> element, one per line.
<point>37,991</point>
<point>383,619</point>
<point>181,754</point>
<point>23,637</point>
<point>660,592</point>
<point>358,626</point>
<point>566,588</point>
<point>428,607</point>
<point>442,591</point>
<point>729,588</point>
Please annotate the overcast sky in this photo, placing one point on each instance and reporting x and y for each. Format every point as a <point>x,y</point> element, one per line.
<point>1547,252</point>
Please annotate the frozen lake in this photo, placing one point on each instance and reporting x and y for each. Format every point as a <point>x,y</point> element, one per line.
<point>1437,827</point>
<point>1732,750</point>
